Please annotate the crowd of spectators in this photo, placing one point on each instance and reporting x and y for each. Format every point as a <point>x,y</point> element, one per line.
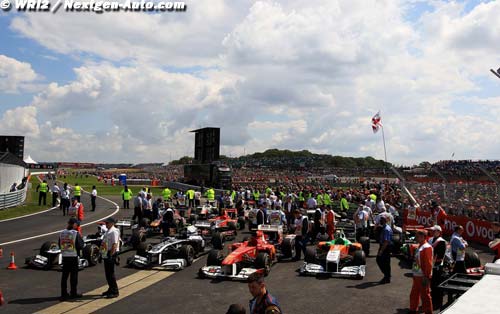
<point>474,200</point>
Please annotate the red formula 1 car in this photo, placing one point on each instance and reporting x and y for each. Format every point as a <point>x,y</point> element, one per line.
<point>224,226</point>
<point>255,255</point>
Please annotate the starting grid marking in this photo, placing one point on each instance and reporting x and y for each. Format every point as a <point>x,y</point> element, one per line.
<point>92,300</point>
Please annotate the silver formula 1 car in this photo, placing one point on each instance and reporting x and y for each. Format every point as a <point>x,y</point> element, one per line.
<point>172,253</point>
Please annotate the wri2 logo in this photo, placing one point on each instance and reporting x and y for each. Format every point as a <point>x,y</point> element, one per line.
<point>92,6</point>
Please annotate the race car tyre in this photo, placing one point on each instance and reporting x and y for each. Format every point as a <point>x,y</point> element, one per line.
<point>359,258</point>
<point>241,223</point>
<point>137,238</point>
<point>187,252</point>
<point>232,226</point>
<point>91,253</point>
<point>144,222</point>
<point>288,248</point>
<point>396,243</point>
<point>365,244</point>
<point>263,261</point>
<point>310,256</point>
<point>47,246</point>
<point>214,258</point>
<point>472,260</point>
<point>142,249</point>
<point>201,274</point>
<point>251,227</point>
<point>217,241</point>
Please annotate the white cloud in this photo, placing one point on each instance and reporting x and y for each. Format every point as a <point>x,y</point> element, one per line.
<point>321,70</point>
<point>188,38</point>
<point>15,76</point>
<point>20,121</point>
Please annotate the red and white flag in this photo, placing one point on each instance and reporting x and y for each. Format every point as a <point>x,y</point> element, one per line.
<point>376,122</point>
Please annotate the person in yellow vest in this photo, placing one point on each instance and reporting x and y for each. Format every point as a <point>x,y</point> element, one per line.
<point>126,197</point>
<point>344,205</point>
<point>167,194</point>
<point>326,199</point>
<point>190,196</point>
<point>42,195</point>
<point>319,199</point>
<point>256,195</point>
<point>210,195</point>
<point>77,192</point>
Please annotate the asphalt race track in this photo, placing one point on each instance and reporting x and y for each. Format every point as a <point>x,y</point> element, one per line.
<point>29,291</point>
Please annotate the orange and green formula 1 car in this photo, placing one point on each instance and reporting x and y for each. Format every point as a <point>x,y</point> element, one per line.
<point>337,258</point>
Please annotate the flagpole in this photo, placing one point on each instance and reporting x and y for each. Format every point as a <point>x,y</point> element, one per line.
<point>385,150</point>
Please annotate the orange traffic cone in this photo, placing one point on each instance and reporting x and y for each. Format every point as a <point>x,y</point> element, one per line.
<point>2,301</point>
<point>12,265</point>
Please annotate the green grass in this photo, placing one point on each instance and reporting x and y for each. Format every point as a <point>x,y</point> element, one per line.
<point>104,189</point>
<point>30,206</point>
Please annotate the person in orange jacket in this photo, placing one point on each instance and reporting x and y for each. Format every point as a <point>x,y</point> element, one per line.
<point>438,214</point>
<point>330,223</point>
<point>422,275</point>
<point>76,211</point>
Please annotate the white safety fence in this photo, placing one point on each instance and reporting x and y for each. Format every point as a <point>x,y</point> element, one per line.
<point>13,199</point>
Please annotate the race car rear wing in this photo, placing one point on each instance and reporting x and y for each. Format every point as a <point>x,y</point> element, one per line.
<point>270,228</point>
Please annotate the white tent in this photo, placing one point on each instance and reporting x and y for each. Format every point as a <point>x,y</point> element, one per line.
<point>29,160</point>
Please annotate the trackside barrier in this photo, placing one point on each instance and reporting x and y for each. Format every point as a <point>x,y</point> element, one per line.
<point>13,199</point>
<point>479,231</point>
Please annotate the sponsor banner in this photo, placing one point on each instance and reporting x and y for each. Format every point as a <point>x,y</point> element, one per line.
<point>479,231</point>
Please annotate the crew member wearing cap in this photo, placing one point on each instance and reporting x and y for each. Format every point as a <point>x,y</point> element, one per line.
<point>110,247</point>
<point>439,249</point>
<point>384,251</point>
<point>76,211</point>
<point>422,273</point>
<point>71,244</point>
<point>438,214</point>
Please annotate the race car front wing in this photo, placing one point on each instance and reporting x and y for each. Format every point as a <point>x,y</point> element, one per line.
<point>42,262</point>
<point>310,269</point>
<point>168,264</point>
<point>227,272</point>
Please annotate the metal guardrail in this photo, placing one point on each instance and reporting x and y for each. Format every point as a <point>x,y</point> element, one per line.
<point>13,199</point>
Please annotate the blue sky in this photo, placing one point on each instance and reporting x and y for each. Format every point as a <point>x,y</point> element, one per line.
<point>127,85</point>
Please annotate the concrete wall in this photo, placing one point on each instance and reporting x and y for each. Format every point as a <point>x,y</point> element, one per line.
<point>8,175</point>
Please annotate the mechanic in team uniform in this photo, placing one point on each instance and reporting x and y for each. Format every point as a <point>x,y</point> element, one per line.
<point>263,302</point>
<point>422,275</point>
<point>71,244</point>
<point>330,223</point>
<point>384,251</point>
<point>168,222</point>
<point>76,211</point>
<point>261,216</point>
<point>65,203</point>
<point>110,247</point>
<point>458,245</point>
<point>319,218</point>
<point>439,249</point>
<point>301,224</point>
<point>56,191</point>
